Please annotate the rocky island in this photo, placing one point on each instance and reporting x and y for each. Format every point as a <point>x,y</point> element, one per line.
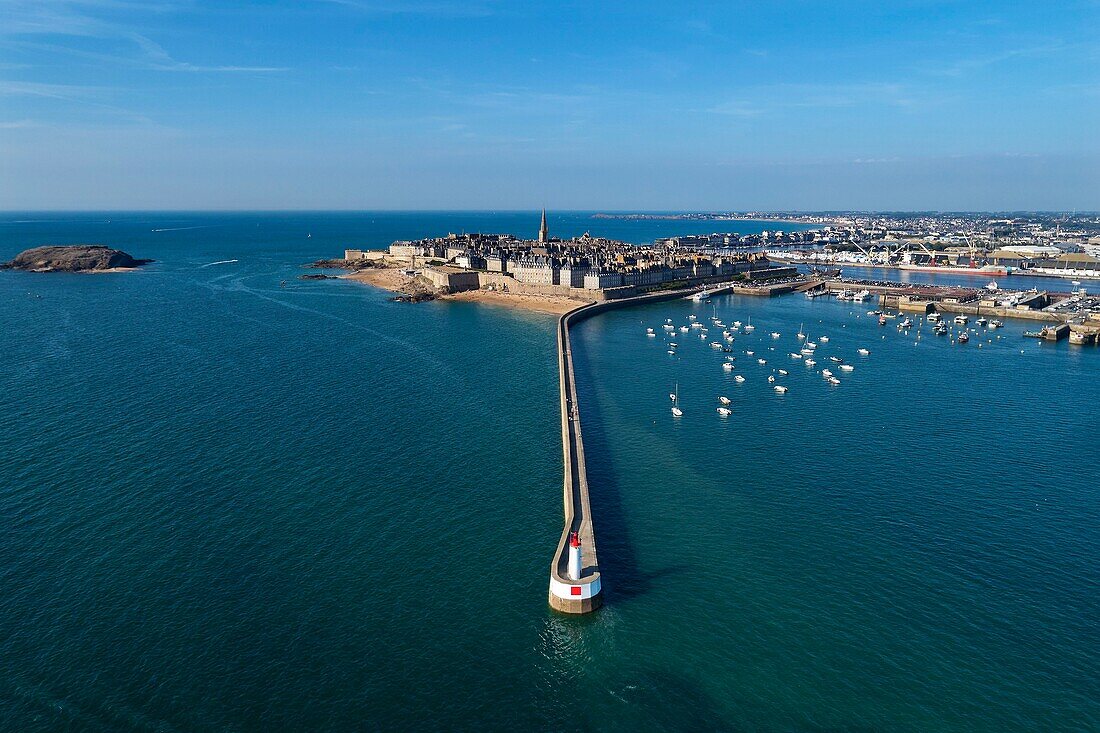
<point>73,258</point>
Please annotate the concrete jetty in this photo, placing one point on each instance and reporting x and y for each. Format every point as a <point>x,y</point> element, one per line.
<point>568,594</point>
<point>584,593</point>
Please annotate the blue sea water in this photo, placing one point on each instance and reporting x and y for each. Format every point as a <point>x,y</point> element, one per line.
<point>230,504</point>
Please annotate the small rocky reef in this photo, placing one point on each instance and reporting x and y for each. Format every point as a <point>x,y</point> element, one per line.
<point>73,258</point>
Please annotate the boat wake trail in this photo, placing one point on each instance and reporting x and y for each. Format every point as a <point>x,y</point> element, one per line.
<point>180,229</point>
<point>239,286</point>
<point>219,262</point>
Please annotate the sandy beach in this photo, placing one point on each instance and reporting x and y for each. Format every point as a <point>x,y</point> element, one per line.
<point>538,303</point>
<point>395,280</point>
<point>387,278</point>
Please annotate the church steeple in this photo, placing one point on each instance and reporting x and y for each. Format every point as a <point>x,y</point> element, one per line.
<point>544,232</point>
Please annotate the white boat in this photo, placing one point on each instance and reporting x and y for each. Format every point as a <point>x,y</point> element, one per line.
<point>982,321</point>
<point>692,317</point>
<point>847,368</point>
<point>795,356</point>
<point>671,351</point>
<point>863,352</point>
<point>749,353</point>
<point>696,324</point>
<point>761,361</point>
<point>783,372</point>
<point>649,330</point>
<point>715,345</point>
<point>826,373</point>
<point>801,335</point>
<point>834,380</point>
<point>652,334</point>
<point>861,296</point>
<point>992,285</point>
<point>728,366</point>
<point>737,324</point>
<point>961,320</point>
<point>676,402</point>
<point>725,411</point>
<point>683,329</point>
<point>837,359</point>
<point>667,327</point>
<point>996,324</point>
<point>729,339</point>
<point>749,328</point>
<point>739,379</point>
<point>775,334</point>
<point>810,362</point>
<point>724,400</point>
<point>807,352</point>
<point>702,337</point>
<point>780,389</point>
<point>701,295</point>
<point>824,339</point>
<point>811,345</point>
<point>906,323</point>
<point>770,378</point>
<point>934,317</point>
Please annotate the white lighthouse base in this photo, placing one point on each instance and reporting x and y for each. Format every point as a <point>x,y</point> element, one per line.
<point>582,596</point>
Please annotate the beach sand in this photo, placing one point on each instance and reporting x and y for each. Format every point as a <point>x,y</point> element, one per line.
<point>537,303</point>
<point>395,280</point>
<point>388,278</point>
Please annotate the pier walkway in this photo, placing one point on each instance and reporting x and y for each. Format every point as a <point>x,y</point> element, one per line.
<point>583,594</point>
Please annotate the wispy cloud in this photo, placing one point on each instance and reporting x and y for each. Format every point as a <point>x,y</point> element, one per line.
<point>443,8</point>
<point>763,100</point>
<point>95,19</point>
<point>49,91</point>
<point>966,65</point>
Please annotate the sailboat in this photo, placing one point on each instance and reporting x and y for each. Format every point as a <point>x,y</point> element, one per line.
<point>676,401</point>
<point>749,328</point>
<point>801,335</point>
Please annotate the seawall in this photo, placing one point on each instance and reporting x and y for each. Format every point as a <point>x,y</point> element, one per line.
<point>585,594</point>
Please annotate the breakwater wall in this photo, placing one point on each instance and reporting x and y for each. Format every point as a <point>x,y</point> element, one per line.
<point>585,593</point>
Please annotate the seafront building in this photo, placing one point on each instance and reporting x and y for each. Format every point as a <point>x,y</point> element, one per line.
<point>584,267</point>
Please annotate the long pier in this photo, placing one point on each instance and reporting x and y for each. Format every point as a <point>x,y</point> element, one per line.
<point>583,593</point>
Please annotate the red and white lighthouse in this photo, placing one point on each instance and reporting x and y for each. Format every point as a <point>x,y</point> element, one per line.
<point>574,557</point>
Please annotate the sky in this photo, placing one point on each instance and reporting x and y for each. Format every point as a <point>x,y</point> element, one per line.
<point>593,105</point>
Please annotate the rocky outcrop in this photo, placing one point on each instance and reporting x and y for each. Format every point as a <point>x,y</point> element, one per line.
<point>72,258</point>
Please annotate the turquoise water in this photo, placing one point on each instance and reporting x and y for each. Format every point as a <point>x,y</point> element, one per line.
<point>231,505</point>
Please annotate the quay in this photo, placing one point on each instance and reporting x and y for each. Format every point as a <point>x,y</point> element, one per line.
<point>1029,305</point>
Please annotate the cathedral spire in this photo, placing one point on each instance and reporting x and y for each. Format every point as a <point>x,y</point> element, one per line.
<point>544,232</point>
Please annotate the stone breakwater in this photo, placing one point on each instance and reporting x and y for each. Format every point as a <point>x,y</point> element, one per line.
<point>582,594</point>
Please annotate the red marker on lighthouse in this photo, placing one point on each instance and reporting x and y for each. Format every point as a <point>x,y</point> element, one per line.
<point>574,557</point>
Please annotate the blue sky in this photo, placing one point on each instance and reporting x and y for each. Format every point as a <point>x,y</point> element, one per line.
<point>374,104</point>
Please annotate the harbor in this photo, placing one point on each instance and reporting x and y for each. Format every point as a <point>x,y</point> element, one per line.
<point>810,543</point>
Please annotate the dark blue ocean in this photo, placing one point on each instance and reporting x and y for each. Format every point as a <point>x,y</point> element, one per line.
<point>232,505</point>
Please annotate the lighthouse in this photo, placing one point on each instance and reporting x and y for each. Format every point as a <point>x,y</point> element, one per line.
<point>574,557</point>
